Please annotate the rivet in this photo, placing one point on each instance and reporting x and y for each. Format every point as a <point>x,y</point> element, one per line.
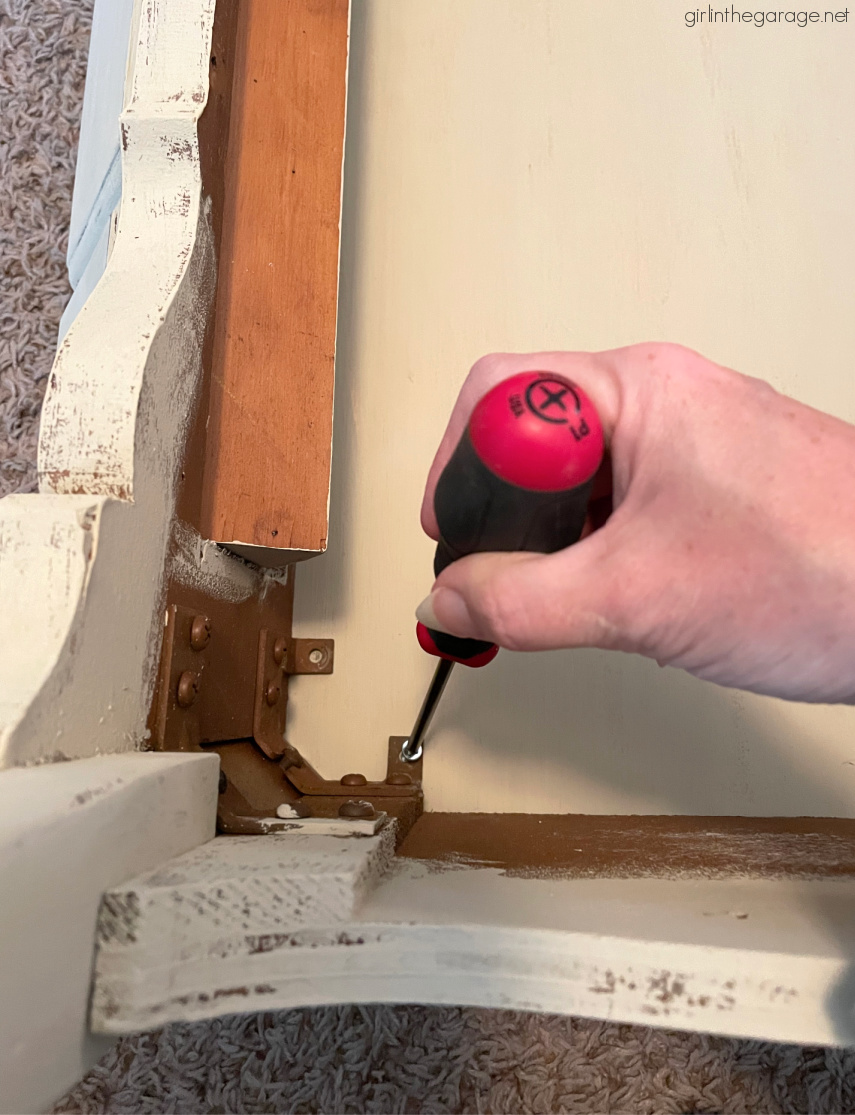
<point>354,780</point>
<point>200,632</point>
<point>271,694</point>
<point>188,688</point>
<point>279,648</point>
<point>356,809</point>
<point>399,778</point>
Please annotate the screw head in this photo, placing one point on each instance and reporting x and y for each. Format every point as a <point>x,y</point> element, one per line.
<point>319,657</point>
<point>354,780</point>
<point>272,693</point>
<point>399,778</point>
<point>188,689</point>
<point>279,649</point>
<point>200,632</point>
<point>357,809</point>
<point>291,757</point>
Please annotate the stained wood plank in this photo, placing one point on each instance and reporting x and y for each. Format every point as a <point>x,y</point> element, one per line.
<point>267,463</point>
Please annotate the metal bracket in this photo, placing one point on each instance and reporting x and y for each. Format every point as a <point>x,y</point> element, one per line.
<point>223,686</point>
<point>278,657</point>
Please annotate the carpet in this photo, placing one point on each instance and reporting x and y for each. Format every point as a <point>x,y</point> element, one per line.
<point>331,1059</point>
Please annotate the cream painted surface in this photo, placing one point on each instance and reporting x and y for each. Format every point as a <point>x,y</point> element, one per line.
<point>278,922</point>
<point>68,831</point>
<point>525,175</point>
<point>88,553</point>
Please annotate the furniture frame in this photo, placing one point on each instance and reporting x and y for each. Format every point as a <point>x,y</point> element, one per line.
<point>148,601</point>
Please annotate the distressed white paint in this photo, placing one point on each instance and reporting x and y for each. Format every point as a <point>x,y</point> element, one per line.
<point>113,427</point>
<point>530,174</point>
<point>68,831</point>
<point>219,930</point>
<point>205,566</point>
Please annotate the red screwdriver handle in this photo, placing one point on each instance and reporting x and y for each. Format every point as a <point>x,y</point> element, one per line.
<point>519,479</point>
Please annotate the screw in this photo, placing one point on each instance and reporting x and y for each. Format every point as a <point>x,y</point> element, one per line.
<point>188,688</point>
<point>354,780</point>
<point>200,632</point>
<point>399,778</point>
<point>357,809</point>
<point>279,648</point>
<point>291,757</point>
<point>272,692</point>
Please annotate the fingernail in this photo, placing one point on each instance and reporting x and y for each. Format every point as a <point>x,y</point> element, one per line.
<point>453,617</point>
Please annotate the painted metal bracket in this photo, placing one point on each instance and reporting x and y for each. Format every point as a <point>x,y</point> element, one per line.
<point>223,687</point>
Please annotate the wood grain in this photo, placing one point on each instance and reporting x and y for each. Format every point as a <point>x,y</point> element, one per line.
<point>269,438</point>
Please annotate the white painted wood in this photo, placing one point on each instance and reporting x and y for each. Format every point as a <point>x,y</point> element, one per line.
<point>229,928</point>
<point>532,174</point>
<point>78,667</point>
<point>68,831</point>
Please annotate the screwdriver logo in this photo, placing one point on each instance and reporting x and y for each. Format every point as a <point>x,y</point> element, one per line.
<point>547,399</point>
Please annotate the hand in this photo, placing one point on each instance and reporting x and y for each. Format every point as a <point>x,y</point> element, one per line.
<point>730,550</point>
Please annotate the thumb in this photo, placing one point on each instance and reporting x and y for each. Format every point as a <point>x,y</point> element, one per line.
<point>525,601</point>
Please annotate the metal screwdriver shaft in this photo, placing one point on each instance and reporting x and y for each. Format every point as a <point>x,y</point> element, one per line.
<point>413,747</point>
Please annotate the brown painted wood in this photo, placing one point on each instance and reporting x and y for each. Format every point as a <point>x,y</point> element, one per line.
<point>269,421</point>
<point>586,846</point>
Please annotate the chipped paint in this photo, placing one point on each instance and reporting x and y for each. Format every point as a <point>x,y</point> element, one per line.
<point>92,546</point>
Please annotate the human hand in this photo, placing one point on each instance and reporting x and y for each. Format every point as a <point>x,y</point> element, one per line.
<point>730,550</point>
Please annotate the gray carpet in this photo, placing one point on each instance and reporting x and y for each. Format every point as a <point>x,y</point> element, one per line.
<point>337,1059</point>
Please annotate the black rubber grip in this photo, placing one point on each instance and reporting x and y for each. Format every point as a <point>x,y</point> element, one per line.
<point>478,512</point>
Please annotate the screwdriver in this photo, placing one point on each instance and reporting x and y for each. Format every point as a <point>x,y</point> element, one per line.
<point>519,480</point>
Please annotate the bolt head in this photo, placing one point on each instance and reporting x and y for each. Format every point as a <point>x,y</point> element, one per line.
<point>272,693</point>
<point>354,780</point>
<point>279,649</point>
<point>200,632</point>
<point>357,809</point>
<point>399,778</point>
<point>188,689</point>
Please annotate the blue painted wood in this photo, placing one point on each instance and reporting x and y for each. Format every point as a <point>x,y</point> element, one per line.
<point>98,177</point>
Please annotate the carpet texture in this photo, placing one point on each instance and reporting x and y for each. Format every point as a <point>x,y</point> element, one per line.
<point>43,49</point>
<point>332,1059</point>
